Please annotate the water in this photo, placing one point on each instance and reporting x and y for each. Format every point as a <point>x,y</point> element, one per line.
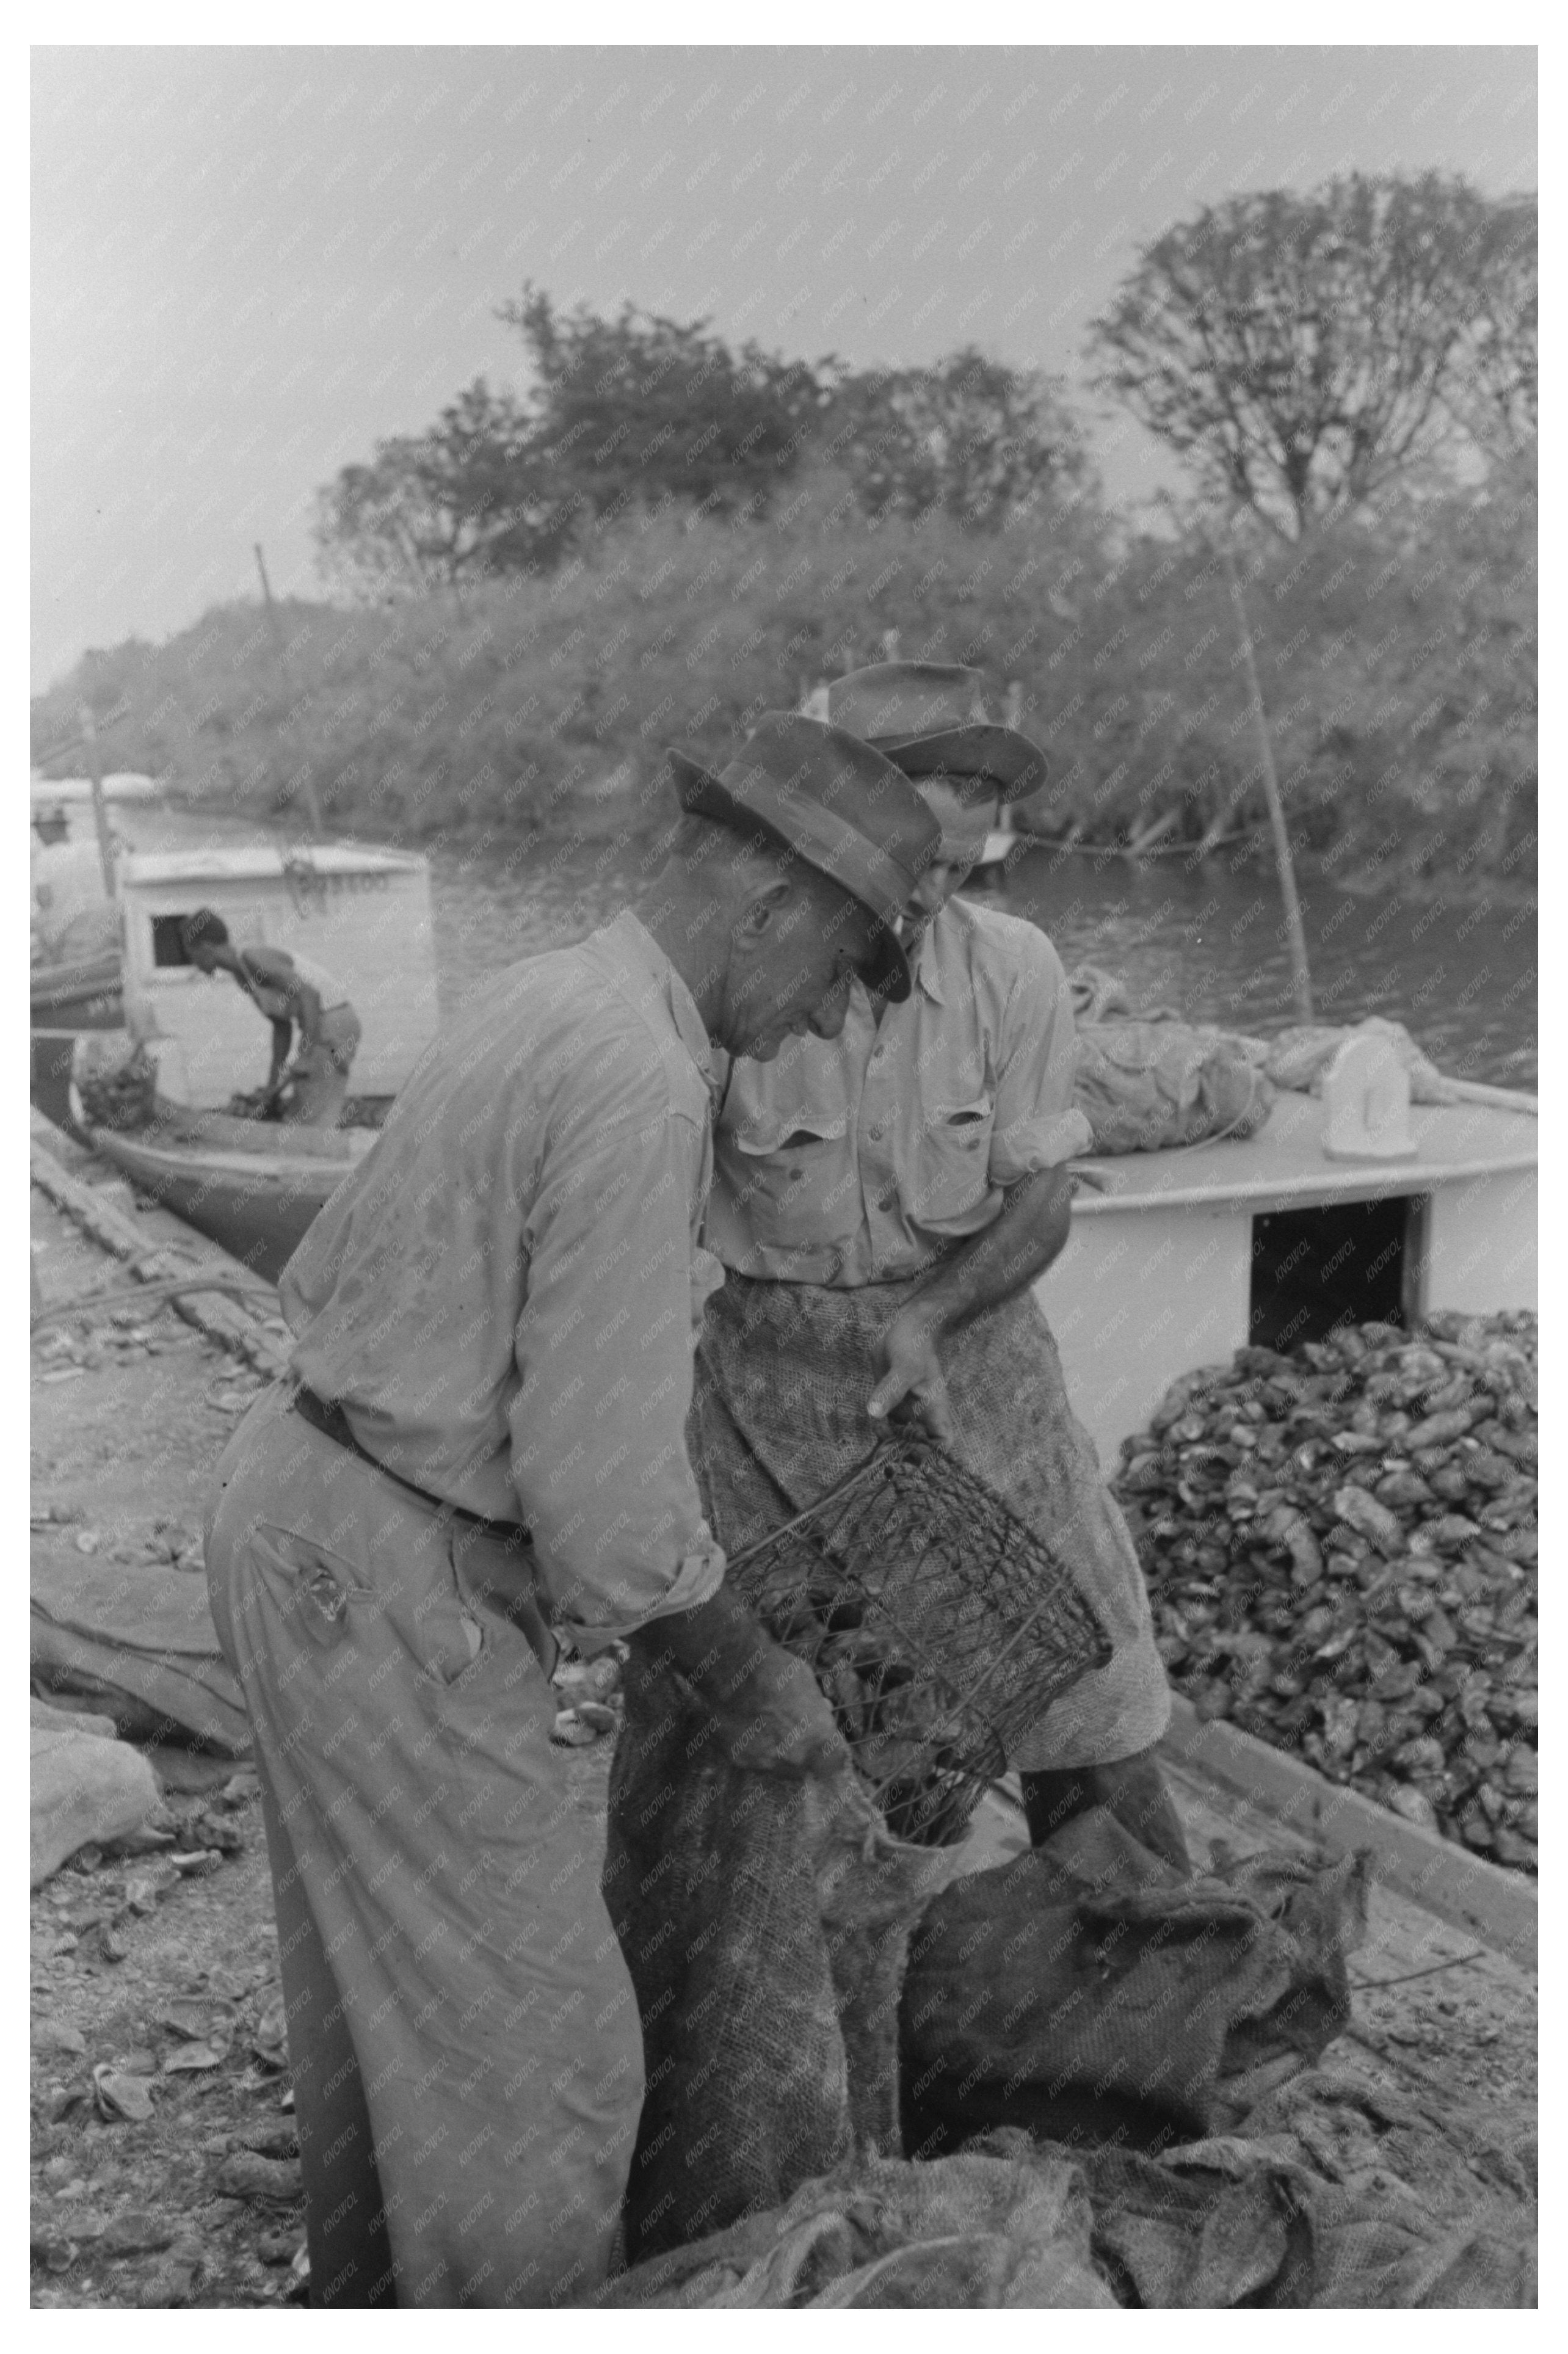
<point>1213,943</point>
<point>1210,941</point>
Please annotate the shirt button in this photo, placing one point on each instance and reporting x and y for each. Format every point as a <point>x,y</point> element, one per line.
<point>875,1133</point>
<point>885,1201</point>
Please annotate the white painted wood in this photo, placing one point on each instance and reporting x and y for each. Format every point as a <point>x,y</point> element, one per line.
<point>1445,1878</point>
<point>363,914</point>
<point>1481,1243</point>
<point>1284,1166</point>
<point>1133,1302</point>
<point>1155,1278</point>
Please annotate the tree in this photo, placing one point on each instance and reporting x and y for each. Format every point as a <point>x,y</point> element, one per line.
<point>469,497</point>
<point>641,408</point>
<point>1301,352</point>
<point>641,412</point>
<point>1494,392</point>
<point>981,440</point>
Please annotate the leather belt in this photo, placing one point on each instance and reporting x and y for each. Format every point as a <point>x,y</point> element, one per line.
<point>497,1592</point>
<point>328,1418</point>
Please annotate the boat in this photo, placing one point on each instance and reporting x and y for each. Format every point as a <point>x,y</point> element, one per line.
<point>1000,844</point>
<point>84,994</point>
<point>76,985</point>
<point>77,792</point>
<point>1179,1258</point>
<point>68,1000</point>
<point>251,1185</point>
<point>362,911</point>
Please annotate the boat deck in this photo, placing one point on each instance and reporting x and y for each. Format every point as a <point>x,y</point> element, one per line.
<point>1284,1165</point>
<point>1161,1272</point>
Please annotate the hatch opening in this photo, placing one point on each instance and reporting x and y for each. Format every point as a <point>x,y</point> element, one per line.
<point>1342,1263</point>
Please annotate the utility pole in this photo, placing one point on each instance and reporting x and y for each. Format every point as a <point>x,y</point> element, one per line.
<point>100,812</point>
<point>306,778</point>
<point>1302,979</point>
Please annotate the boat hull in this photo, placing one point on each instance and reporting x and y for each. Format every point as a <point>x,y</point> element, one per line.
<point>87,995</point>
<point>67,1000</point>
<point>258,1205</point>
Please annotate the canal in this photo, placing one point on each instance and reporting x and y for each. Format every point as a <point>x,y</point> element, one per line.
<point>1208,940</point>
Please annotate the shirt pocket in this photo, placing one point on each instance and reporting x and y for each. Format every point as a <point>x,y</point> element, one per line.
<point>955,1160</point>
<point>795,1178</point>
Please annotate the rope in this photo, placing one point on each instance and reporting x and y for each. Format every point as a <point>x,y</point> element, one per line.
<point>1455,1962</point>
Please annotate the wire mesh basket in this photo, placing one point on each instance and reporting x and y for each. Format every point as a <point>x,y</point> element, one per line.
<point>936,1622</point>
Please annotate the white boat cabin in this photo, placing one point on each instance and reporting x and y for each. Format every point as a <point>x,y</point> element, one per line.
<point>364,914</point>
<point>1189,1254</point>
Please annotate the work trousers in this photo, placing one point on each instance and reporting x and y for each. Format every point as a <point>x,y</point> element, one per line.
<point>468,2064</point>
<point>320,1072</point>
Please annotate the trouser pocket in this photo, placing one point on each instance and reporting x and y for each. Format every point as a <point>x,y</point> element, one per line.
<point>319,1593</point>
<point>494,1580</point>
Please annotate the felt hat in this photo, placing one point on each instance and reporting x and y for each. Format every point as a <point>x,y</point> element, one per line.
<point>838,805</point>
<point>930,719</point>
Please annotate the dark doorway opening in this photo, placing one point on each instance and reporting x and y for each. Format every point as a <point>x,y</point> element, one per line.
<point>1346,1263</point>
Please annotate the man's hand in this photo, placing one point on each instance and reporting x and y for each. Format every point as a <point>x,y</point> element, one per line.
<point>996,1263</point>
<point>763,1704</point>
<point>781,1724</point>
<point>909,1345</point>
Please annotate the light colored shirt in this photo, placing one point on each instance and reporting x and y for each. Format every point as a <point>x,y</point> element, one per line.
<point>72,915</point>
<point>503,1296</point>
<point>261,962</point>
<point>857,1160</point>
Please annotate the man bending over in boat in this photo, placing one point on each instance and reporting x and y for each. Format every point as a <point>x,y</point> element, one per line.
<point>289,990</point>
<point>885,1201</point>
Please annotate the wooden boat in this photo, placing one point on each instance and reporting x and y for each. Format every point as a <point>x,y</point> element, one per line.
<point>1179,1258</point>
<point>251,1185</point>
<point>86,995</point>
<point>1000,845</point>
<point>67,999</point>
<point>254,1185</point>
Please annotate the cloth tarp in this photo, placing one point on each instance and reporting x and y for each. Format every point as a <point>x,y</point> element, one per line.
<point>84,1785</point>
<point>139,1642</point>
<point>1249,2220</point>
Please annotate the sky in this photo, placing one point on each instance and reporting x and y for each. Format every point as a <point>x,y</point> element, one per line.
<point>251,264</point>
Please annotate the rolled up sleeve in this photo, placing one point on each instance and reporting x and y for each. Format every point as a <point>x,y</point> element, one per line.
<point>604,1363</point>
<point>1036,1125</point>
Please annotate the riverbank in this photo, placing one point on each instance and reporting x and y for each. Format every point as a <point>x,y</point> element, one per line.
<point>1396,655</point>
<point>169,1979</point>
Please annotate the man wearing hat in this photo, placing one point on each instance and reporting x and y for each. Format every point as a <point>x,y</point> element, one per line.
<point>482,1437</point>
<point>73,918</point>
<point>885,1201</point>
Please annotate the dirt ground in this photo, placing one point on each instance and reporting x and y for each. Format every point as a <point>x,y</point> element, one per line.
<point>162,1975</point>
<point>135,1963</point>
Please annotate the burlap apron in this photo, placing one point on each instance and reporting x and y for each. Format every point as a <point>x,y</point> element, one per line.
<point>784,1372</point>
